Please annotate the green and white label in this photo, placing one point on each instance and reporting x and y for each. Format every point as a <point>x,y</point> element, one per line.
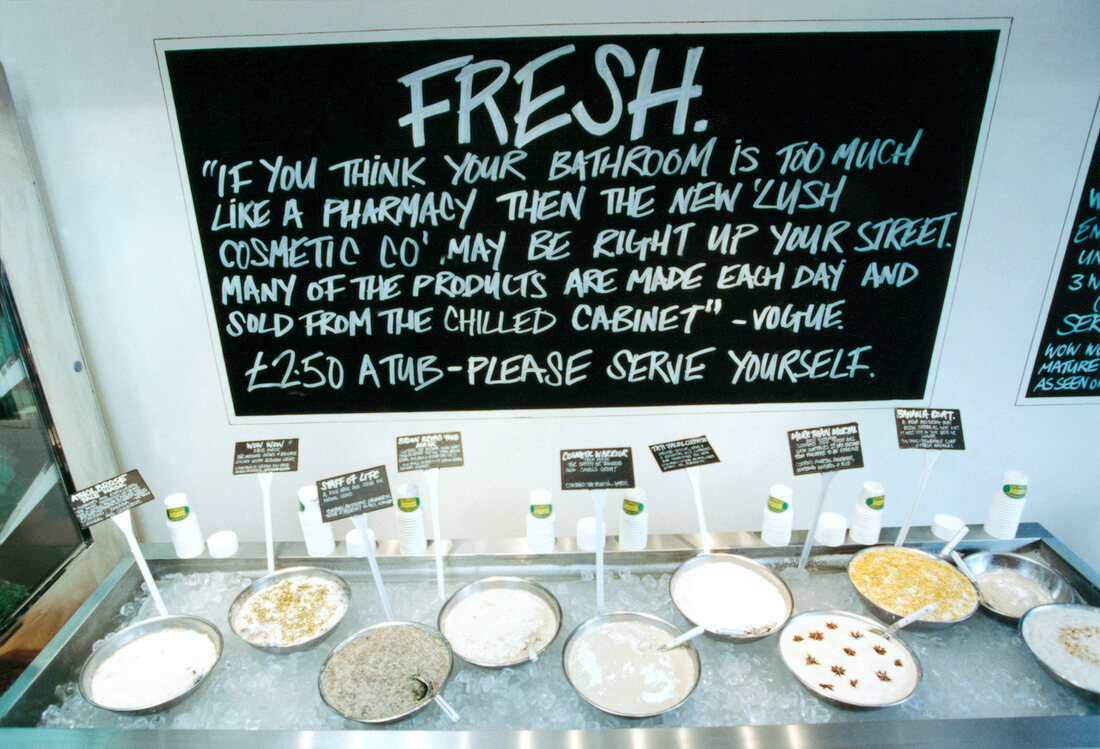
<point>1016,491</point>
<point>175,514</point>
<point>876,503</point>
<point>777,505</point>
<point>408,504</point>
<point>630,507</point>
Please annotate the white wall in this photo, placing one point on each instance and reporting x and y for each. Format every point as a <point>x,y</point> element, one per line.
<point>87,89</point>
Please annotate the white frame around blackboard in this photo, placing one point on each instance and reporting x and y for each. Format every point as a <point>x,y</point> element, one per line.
<point>1000,24</point>
<point>1022,398</point>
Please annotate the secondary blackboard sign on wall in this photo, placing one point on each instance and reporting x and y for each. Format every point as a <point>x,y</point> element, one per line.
<point>579,221</point>
<point>1067,362</point>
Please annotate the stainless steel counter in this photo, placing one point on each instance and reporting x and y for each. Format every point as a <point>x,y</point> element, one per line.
<point>22,706</point>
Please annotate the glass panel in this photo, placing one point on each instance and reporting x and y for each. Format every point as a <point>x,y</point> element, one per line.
<point>38,532</point>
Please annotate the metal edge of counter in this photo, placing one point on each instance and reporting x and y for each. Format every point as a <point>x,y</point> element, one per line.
<point>985,733</point>
<point>1039,731</point>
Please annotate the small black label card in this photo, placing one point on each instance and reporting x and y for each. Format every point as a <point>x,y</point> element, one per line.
<point>601,468</point>
<point>420,452</point>
<point>354,494</point>
<point>672,456</point>
<point>929,428</point>
<point>822,449</point>
<point>108,498</point>
<point>265,456</point>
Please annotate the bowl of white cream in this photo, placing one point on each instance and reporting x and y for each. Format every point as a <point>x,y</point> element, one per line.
<point>731,593</point>
<point>498,622</point>
<point>152,665</point>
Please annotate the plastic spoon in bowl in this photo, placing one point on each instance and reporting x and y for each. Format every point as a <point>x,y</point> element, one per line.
<point>905,621</point>
<point>694,632</point>
<point>945,552</point>
<point>438,698</point>
<point>960,563</point>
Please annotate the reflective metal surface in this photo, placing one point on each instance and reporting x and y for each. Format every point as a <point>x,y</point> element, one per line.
<point>1043,575</point>
<point>22,705</point>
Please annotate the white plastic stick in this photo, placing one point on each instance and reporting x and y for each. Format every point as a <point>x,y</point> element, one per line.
<point>929,461</point>
<point>599,496</point>
<point>265,488</point>
<point>826,479</point>
<point>446,708</point>
<point>676,642</point>
<point>360,522</point>
<point>432,476</point>
<point>126,524</point>
<point>693,477</point>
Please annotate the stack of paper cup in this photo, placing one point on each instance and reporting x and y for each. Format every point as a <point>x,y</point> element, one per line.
<point>1007,506</point>
<point>317,533</point>
<point>410,520</point>
<point>867,515</point>
<point>586,534</point>
<point>183,527</point>
<point>540,522</point>
<point>831,529</point>
<point>634,521</point>
<point>778,516</point>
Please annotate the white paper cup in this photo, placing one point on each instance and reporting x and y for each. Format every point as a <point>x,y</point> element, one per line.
<point>586,534</point>
<point>1003,517</point>
<point>944,526</point>
<point>222,544</point>
<point>832,527</point>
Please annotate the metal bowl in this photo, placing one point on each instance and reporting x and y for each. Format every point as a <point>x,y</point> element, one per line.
<point>863,621</point>
<point>290,573</point>
<point>135,631</point>
<point>1037,572</point>
<point>745,563</point>
<point>892,616</point>
<point>424,702</point>
<point>1031,625</point>
<point>502,583</point>
<point>623,616</point>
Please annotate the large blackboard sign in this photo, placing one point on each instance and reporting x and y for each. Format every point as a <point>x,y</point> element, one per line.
<point>582,221</point>
<point>1067,362</point>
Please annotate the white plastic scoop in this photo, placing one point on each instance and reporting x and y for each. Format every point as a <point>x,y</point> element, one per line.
<point>905,621</point>
<point>360,522</point>
<point>265,489</point>
<point>694,632</point>
<point>125,524</point>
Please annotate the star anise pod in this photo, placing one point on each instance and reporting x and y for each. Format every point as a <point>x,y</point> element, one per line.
<point>826,686</point>
<point>838,670</point>
<point>883,676</point>
<point>880,650</point>
<point>817,636</point>
<point>849,651</point>
<point>811,661</point>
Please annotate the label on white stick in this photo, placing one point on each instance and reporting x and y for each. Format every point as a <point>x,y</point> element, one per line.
<point>686,453</point>
<point>109,498</point>
<point>265,456</point>
<point>929,428</point>
<point>419,452</point>
<point>354,493</point>
<point>824,449</point>
<point>599,468</point>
